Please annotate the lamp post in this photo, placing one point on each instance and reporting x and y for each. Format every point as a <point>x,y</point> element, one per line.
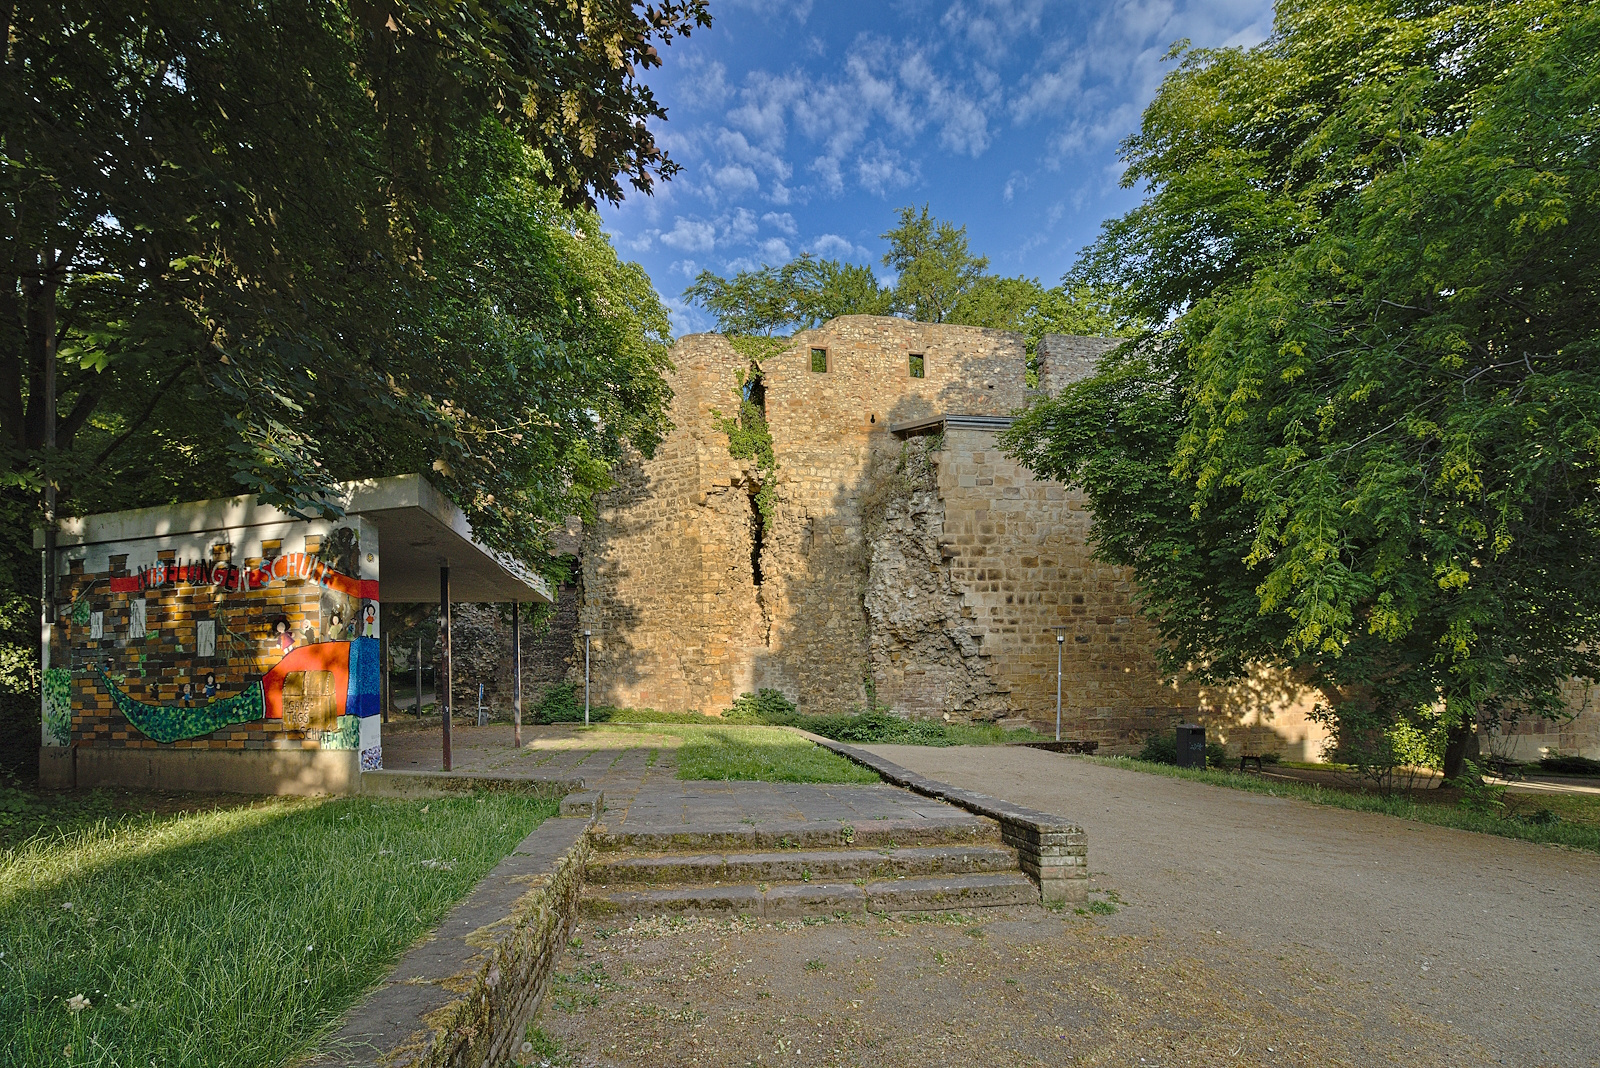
<point>586,634</point>
<point>1060,641</point>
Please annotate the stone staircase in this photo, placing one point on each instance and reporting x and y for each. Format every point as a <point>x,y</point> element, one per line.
<point>953,862</point>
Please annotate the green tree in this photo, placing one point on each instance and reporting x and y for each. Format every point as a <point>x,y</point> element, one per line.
<point>799,295</point>
<point>269,247</point>
<point>1365,443</point>
<point>250,207</point>
<point>933,263</point>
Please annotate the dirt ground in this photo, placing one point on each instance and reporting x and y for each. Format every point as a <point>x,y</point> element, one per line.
<point>1227,929</point>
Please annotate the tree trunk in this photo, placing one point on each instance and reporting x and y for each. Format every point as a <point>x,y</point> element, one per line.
<point>1461,743</point>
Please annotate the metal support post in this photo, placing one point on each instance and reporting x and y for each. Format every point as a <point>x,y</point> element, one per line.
<point>444,635</point>
<point>516,674</point>
<point>385,680</point>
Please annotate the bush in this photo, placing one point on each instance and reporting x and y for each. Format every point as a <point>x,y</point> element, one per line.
<point>559,704</point>
<point>1163,749</point>
<point>769,707</point>
<point>1570,765</point>
<point>1160,749</point>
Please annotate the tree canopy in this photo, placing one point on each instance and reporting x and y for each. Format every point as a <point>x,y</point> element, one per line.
<point>1363,441</point>
<point>939,280</point>
<point>268,247</point>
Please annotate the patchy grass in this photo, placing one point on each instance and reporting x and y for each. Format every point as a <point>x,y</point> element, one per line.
<point>1577,825</point>
<point>763,754</point>
<point>708,751</point>
<point>235,933</point>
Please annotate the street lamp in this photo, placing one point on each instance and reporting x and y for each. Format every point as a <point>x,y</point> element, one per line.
<point>1060,640</point>
<point>586,677</point>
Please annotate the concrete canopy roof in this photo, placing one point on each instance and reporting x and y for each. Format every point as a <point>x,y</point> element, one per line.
<point>419,529</point>
<point>940,423</point>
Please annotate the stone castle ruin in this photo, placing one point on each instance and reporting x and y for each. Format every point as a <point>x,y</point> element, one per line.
<point>905,560</point>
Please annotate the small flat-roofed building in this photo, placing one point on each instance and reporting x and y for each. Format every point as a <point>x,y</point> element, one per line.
<point>230,645</point>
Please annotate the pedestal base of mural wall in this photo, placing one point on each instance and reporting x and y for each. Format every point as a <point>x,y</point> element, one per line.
<point>298,772</point>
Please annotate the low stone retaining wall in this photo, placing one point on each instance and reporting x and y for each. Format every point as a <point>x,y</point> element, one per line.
<point>1052,851</point>
<point>429,784</point>
<point>462,998</point>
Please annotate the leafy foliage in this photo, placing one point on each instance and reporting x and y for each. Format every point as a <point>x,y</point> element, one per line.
<point>800,295</point>
<point>750,439</point>
<point>269,247</point>
<point>1364,444</point>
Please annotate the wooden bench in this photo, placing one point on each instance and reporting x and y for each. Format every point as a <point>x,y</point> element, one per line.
<point>1253,758</point>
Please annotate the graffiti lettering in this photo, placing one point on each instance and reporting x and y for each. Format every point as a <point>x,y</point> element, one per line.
<point>232,579</point>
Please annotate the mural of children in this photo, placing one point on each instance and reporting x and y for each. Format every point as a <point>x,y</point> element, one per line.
<point>211,686</point>
<point>285,636</point>
<point>336,627</point>
<point>186,694</point>
<point>369,620</point>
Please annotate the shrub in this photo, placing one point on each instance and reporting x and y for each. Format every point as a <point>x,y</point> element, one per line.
<point>559,704</point>
<point>766,706</point>
<point>1570,765</point>
<point>1163,749</point>
<point>1160,749</point>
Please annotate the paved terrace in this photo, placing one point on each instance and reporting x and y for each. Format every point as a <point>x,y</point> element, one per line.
<point>642,792</point>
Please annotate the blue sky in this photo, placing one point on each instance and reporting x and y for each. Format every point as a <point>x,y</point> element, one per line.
<point>803,126</point>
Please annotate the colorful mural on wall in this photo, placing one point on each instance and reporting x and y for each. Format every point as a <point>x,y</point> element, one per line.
<point>230,578</point>
<point>173,723</point>
<point>354,694</point>
<point>58,706</point>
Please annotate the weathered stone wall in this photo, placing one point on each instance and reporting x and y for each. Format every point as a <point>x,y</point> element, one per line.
<point>670,567</point>
<point>667,587</point>
<point>933,570</point>
<point>927,660</point>
<point>1578,734</point>
<point>1019,551</point>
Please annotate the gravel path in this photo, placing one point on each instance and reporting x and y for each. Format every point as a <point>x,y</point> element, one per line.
<point>1495,939</point>
<point>1229,929</point>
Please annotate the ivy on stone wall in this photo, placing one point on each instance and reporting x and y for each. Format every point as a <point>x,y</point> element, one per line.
<point>750,439</point>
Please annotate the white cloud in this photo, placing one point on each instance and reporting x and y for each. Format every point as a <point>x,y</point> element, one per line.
<point>881,169</point>
<point>690,235</point>
<point>735,179</point>
<point>701,84</point>
<point>740,228</point>
<point>990,26</point>
<point>781,221</point>
<point>834,247</point>
<point>775,250</point>
<point>964,127</point>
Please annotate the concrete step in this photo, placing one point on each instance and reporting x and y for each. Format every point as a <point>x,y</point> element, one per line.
<point>868,834</point>
<point>836,865</point>
<point>798,900</point>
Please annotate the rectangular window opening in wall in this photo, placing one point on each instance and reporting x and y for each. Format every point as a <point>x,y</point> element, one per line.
<point>819,360</point>
<point>918,365</point>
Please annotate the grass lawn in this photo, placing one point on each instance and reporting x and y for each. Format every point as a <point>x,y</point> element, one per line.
<point>1577,824</point>
<point>235,934</point>
<point>762,754</point>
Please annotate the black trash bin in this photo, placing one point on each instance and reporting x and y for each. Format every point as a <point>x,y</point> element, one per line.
<point>1191,745</point>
